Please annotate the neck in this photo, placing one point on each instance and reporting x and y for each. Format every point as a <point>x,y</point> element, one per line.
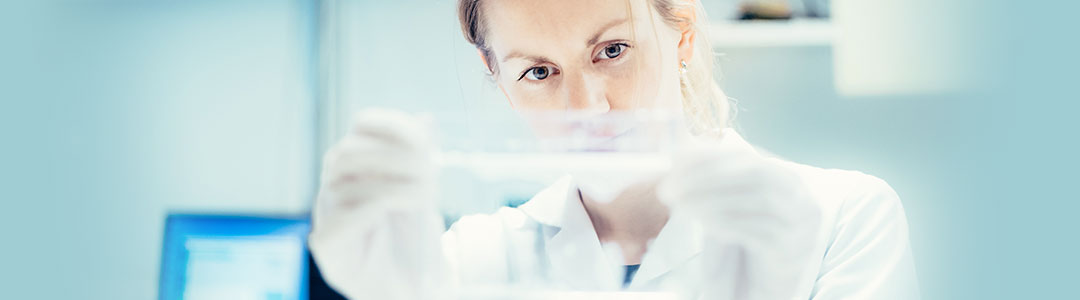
<point>633,219</point>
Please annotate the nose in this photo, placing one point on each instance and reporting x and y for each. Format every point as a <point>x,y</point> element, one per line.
<point>586,92</point>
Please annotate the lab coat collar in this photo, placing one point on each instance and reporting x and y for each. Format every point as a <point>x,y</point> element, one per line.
<point>576,255</point>
<point>575,252</point>
<point>678,242</point>
<point>578,259</point>
<point>549,205</point>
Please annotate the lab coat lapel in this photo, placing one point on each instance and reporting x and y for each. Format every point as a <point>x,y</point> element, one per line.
<point>576,257</point>
<point>575,253</point>
<point>676,245</point>
<point>680,241</point>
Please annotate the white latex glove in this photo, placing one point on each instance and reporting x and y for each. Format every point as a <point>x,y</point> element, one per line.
<point>375,233</point>
<point>758,219</point>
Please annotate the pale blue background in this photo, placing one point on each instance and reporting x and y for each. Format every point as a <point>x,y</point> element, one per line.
<point>113,113</point>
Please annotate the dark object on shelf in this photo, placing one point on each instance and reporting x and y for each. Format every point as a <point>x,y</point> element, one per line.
<point>816,8</point>
<point>764,10</point>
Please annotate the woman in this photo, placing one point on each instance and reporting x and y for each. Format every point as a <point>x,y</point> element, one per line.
<point>725,222</point>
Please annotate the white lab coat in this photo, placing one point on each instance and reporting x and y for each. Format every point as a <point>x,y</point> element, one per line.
<point>862,243</point>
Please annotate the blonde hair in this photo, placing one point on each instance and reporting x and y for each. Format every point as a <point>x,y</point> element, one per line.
<point>704,104</point>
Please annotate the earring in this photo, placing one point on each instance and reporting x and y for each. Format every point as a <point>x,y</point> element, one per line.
<point>683,68</point>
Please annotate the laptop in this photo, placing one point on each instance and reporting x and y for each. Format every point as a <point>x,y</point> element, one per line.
<point>234,257</point>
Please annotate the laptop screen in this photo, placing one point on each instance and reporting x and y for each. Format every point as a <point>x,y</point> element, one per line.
<point>234,257</point>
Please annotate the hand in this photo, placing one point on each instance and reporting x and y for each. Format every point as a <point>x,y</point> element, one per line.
<point>374,231</point>
<point>759,219</point>
<point>383,163</point>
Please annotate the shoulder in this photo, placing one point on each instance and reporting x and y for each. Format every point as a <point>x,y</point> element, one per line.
<point>844,191</point>
<point>858,210</point>
<point>864,236</point>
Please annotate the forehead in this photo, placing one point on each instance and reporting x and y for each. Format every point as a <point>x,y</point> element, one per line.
<point>537,24</point>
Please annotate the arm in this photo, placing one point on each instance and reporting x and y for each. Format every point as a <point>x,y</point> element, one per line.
<point>869,256</point>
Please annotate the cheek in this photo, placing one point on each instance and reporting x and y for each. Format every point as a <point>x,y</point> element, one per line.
<point>645,83</point>
<point>524,97</point>
<point>533,100</point>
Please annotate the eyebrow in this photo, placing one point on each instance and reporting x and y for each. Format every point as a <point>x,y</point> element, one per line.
<point>595,37</point>
<point>605,28</point>
<point>516,54</point>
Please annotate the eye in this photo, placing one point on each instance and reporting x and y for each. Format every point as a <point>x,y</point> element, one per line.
<point>611,51</point>
<point>536,73</point>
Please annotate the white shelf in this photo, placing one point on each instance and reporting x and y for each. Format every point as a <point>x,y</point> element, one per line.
<point>790,33</point>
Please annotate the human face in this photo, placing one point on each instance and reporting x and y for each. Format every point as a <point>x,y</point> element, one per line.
<point>592,56</point>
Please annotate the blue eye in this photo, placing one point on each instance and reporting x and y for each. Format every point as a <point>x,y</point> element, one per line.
<point>536,73</point>
<point>611,51</point>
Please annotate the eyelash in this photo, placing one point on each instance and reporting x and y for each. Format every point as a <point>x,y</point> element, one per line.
<point>623,47</point>
<point>554,71</point>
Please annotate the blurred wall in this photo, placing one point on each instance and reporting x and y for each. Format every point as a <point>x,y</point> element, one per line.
<point>114,113</point>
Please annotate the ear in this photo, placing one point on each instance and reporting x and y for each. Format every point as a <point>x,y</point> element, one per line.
<point>687,33</point>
